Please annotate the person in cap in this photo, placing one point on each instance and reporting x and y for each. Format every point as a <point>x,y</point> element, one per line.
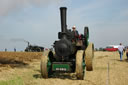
<point>74,31</point>
<point>75,34</point>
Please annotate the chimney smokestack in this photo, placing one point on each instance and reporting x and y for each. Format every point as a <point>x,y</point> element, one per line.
<point>63,19</point>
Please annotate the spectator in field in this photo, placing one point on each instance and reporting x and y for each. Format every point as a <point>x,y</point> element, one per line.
<point>121,49</point>
<point>14,49</point>
<point>127,52</point>
<point>5,49</point>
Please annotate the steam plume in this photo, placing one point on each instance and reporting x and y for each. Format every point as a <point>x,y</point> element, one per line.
<point>19,40</point>
<point>7,6</point>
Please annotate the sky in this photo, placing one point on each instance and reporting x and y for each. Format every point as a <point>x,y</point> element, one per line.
<point>38,21</point>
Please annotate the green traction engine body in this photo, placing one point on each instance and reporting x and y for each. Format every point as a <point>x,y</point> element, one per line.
<point>72,53</point>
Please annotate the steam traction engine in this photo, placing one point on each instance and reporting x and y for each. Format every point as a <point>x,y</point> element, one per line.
<point>33,48</point>
<point>72,53</point>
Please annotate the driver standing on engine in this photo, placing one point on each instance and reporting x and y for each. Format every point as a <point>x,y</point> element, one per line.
<point>75,32</point>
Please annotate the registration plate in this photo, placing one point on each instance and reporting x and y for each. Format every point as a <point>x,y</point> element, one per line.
<point>61,69</point>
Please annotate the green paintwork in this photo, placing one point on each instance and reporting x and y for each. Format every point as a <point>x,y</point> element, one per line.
<point>87,39</point>
<point>48,65</point>
<point>84,65</point>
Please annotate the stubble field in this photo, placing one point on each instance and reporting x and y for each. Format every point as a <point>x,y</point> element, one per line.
<point>21,68</point>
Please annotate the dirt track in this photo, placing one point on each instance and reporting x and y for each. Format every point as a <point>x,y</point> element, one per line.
<point>29,73</point>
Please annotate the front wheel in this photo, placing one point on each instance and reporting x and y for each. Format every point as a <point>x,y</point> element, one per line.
<point>80,65</point>
<point>45,65</point>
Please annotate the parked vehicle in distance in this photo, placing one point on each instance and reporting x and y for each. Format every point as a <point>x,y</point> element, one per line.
<point>112,48</point>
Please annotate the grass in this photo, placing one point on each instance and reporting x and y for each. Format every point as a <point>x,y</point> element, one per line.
<point>16,81</point>
<point>30,75</point>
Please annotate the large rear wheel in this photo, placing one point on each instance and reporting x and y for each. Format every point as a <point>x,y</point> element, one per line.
<point>79,65</point>
<point>86,32</point>
<point>89,54</point>
<point>86,35</point>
